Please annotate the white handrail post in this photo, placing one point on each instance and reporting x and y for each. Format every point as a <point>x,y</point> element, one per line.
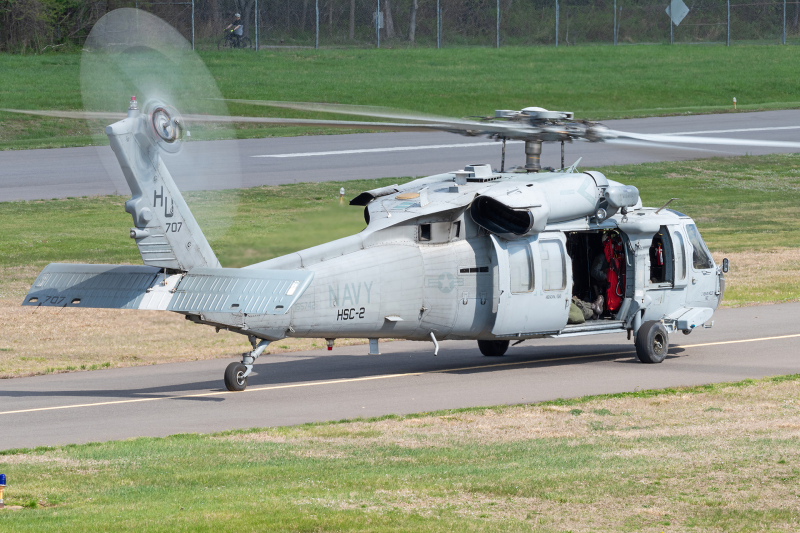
<point>556,23</point>
<point>783,37</point>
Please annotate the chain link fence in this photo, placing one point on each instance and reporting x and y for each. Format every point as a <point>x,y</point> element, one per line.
<point>438,23</point>
<point>454,23</point>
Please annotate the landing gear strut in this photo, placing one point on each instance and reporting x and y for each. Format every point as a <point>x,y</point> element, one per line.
<point>236,373</point>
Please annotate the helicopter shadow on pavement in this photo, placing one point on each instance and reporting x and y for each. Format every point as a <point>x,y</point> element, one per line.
<point>312,368</point>
<point>674,352</point>
<point>450,361</point>
<point>560,356</point>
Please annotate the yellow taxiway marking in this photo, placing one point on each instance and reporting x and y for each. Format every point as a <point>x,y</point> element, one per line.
<point>372,378</point>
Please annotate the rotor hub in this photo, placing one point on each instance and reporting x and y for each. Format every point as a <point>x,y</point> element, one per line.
<point>166,126</point>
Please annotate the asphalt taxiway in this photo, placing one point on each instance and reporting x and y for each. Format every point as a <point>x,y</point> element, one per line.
<point>319,385</point>
<point>346,383</point>
<point>58,173</point>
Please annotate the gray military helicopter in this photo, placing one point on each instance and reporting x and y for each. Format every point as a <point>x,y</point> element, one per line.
<point>492,256</point>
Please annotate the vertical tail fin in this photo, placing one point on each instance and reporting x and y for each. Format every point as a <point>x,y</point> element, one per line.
<point>165,231</point>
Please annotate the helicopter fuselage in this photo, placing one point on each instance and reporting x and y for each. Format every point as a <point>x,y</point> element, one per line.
<point>413,272</point>
<point>469,254</point>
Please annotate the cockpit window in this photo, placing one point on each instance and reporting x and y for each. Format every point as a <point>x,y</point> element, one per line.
<point>700,256</point>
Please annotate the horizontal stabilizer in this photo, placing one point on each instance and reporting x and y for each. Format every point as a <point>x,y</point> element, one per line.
<point>97,286</point>
<point>234,290</point>
<point>202,290</point>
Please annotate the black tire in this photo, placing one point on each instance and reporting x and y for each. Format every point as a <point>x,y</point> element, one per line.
<point>223,43</point>
<point>652,342</point>
<point>233,377</point>
<point>246,43</point>
<point>493,348</point>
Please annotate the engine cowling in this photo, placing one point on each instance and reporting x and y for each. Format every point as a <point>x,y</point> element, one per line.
<point>513,210</point>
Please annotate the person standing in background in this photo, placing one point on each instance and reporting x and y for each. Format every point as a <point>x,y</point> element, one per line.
<point>236,29</point>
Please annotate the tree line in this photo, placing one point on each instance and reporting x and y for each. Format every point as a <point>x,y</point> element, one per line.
<point>38,25</point>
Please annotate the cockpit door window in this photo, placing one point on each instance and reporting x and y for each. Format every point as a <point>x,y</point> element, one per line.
<point>701,258</point>
<point>680,257</point>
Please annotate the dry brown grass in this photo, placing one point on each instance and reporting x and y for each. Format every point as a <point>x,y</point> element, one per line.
<point>733,449</point>
<point>45,340</point>
<point>758,278</point>
<point>752,411</point>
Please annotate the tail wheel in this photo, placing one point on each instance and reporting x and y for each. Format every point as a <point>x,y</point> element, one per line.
<point>652,342</point>
<point>493,348</point>
<point>235,379</point>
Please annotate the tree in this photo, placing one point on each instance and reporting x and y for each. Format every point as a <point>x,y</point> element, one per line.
<point>352,19</point>
<point>388,23</point>
<point>214,6</point>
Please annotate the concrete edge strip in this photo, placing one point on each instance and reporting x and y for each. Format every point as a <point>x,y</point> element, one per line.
<point>372,378</point>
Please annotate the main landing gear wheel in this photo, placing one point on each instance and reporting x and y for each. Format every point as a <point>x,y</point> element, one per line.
<point>235,379</point>
<point>652,342</point>
<point>493,348</point>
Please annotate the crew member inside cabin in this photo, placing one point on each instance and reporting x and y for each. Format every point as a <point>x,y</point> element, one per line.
<point>608,272</point>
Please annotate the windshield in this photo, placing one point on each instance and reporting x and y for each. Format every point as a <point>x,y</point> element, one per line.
<point>700,256</point>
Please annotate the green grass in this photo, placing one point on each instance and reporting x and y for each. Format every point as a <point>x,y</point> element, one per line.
<point>742,205</point>
<point>746,203</point>
<point>594,82</point>
<point>401,473</point>
<point>244,226</point>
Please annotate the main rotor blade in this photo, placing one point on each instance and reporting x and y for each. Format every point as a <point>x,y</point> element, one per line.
<point>357,110</point>
<point>684,139</point>
<point>346,124</point>
<point>465,129</point>
<point>635,143</point>
<point>448,124</point>
<point>85,115</point>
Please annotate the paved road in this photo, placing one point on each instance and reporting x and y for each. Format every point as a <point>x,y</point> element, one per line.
<point>320,385</point>
<point>57,173</point>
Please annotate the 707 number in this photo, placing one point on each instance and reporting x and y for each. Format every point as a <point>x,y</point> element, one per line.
<point>173,227</point>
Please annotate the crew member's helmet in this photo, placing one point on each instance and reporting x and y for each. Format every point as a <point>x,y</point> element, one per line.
<point>237,15</point>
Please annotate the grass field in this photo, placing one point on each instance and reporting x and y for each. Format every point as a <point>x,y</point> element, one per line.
<point>711,458</point>
<point>746,208</point>
<point>594,82</point>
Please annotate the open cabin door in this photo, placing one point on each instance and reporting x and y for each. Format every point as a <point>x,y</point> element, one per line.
<point>534,283</point>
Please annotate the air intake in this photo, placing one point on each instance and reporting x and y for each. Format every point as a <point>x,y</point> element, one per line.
<point>498,218</point>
